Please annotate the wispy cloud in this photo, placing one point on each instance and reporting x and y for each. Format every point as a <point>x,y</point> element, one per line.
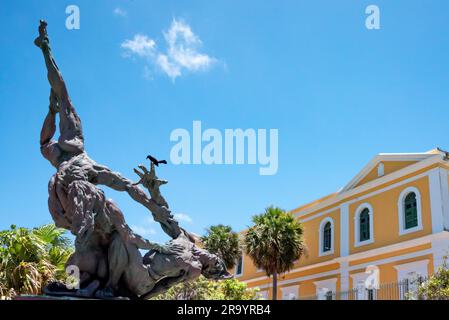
<point>183,217</point>
<point>120,12</point>
<point>182,51</point>
<point>140,45</point>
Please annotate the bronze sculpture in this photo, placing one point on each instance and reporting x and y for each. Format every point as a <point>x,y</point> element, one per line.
<point>106,249</point>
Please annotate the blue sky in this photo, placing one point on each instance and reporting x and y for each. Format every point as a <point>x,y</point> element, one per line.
<point>337,92</point>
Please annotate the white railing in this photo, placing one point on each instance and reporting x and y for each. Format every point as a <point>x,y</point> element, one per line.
<point>402,290</point>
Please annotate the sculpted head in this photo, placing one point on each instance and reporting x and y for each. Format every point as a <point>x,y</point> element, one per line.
<point>214,268</point>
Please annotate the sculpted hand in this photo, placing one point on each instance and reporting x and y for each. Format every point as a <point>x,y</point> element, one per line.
<point>148,178</point>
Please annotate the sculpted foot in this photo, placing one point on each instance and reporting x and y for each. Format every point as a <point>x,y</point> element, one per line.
<point>89,291</point>
<point>42,40</point>
<point>58,288</point>
<point>108,294</point>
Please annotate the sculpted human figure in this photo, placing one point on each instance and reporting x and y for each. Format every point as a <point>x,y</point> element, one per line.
<point>106,249</point>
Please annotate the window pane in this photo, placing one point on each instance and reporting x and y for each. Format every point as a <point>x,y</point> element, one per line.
<point>239,266</point>
<point>410,211</point>
<point>327,237</point>
<point>364,228</point>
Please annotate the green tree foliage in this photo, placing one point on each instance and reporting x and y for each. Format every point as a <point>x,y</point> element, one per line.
<point>29,258</point>
<point>224,242</point>
<point>204,289</point>
<point>437,286</point>
<point>275,242</point>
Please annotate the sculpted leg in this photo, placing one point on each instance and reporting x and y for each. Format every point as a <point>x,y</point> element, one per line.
<point>136,275</point>
<point>118,262</point>
<point>125,269</point>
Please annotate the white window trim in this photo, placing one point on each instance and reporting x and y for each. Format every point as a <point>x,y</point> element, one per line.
<point>380,169</point>
<point>263,294</point>
<point>401,211</point>
<point>328,284</point>
<point>357,280</point>
<point>358,211</point>
<point>420,268</point>
<point>237,275</point>
<point>290,290</point>
<point>320,237</point>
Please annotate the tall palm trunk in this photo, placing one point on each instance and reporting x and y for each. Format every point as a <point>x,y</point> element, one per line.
<point>275,285</point>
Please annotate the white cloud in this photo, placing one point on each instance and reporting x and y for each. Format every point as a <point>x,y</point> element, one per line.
<point>183,47</point>
<point>171,69</point>
<point>183,217</point>
<point>120,12</point>
<point>140,45</point>
<point>181,54</point>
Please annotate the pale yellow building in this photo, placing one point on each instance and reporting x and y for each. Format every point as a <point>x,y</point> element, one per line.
<point>388,225</point>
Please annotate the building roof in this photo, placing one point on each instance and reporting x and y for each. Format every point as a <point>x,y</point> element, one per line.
<point>405,159</point>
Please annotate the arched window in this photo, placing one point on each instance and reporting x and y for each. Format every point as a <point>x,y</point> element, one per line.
<point>326,237</point>
<point>364,222</point>
<point>363,225</point>
<point>239,266</point>
<point>409,211</point>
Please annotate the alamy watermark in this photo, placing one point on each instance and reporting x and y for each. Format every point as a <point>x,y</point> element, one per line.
<point>211,146</point>
<point>72,22</point>
<point>372,21</point>
<point>72,280</point>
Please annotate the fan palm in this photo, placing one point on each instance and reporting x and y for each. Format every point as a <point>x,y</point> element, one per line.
<point>29,258</point>
<point>275,242</point>
<point>224,242</point>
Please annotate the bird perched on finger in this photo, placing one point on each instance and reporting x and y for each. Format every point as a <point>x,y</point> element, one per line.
<point>156,161</point>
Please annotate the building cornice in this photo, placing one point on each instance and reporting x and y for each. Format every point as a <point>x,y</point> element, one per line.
<point>341,197</point>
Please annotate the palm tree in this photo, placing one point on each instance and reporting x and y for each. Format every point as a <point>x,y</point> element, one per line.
<point>275,242</point>
<point>224,242</point>
<point>29,258</point>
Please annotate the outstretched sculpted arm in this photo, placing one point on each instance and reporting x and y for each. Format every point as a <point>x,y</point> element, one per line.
<point>127,234</point>
<point>160,212</point>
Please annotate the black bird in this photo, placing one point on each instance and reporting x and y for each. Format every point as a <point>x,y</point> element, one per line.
<point>156,161</point>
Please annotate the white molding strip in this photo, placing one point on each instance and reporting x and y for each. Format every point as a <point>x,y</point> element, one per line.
<point>394,247</point>
<point>304,268</point>
<point>368,195</point>
<point>305,278</point>
<point>436,200</point>
<point>385,157</point>
<point>343,261</point>
<point>337,272</point>
<point>344,229</point>
<point>444,177</point>
<point>437,158</point>
<point>392,259</point>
